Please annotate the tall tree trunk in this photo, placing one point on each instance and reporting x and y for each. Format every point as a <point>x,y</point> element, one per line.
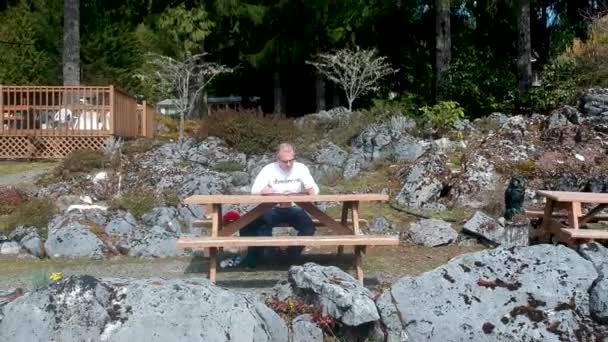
<point>278,91</point>
<point>524,52</point>
<point>71,42</point>
<point>199,108</point>
<point>336,95</point>
<point>443,46</point>
<point>320,80</point>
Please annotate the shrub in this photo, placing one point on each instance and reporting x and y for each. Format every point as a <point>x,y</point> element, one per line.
<point>139,146</point>
<point>171,199</point>
<point>81,161</point>
<point>291,308</point>
<point>10,199</point>
<point>443,114</point>
<point>36,212</point>
<point>137,202</point>
<point>249,132</point>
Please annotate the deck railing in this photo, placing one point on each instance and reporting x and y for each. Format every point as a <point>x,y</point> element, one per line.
<point>69,111</point>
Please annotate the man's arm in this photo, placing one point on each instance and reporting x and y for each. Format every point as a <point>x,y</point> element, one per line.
<point>261,185</point>
<point>309,183</point>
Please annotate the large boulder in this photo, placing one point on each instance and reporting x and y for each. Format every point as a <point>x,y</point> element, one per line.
<point>536,293</point>
<point>28,239</point>
<point>423,183</point>
<point>598,294</point>
<point>87,309</point>
<point>431,233</point>
<point>340,295</point>
<point>69,237</point>
<point>156,241</point>
<point>507,234</point>
<point>595,103</point>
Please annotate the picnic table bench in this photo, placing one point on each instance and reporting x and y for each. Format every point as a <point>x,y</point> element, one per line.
<point>572,203</point>
<point>341,232</point>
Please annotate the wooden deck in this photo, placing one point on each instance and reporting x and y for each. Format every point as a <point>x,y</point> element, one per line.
<point>39,122</point>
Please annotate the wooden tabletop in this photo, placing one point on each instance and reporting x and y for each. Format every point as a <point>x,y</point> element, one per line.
<point>240,199</point>
<point>569,196</point>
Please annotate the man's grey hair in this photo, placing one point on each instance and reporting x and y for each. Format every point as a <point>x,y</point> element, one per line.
<point>285,147</point>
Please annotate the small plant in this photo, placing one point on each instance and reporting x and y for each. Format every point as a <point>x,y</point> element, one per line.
<point>228,166</point>
<point>291,308</point>
<point>36,212</point>
<point>112,147</point>
<point>137,202</point>
<point>443,114</point>
<point>171,199</point>
<point>81,161</point>
<point>40,280</point>
<point>139,146</point>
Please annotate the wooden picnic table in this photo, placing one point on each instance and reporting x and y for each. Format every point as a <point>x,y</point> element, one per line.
<point>572,202</point>
<point>343,234</point>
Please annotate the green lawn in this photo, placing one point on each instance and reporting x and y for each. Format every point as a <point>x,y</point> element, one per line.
<point>8,168</point>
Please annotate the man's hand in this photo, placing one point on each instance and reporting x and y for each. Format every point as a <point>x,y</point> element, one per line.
<point>310,191</point>
<point>267,190</point>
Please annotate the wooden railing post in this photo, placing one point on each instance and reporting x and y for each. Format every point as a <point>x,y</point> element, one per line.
<point>2,107</point>
<point>112,110</point>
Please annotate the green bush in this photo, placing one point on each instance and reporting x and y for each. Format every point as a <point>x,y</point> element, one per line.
<point>137,202</point>
<point>559,86</point>
<point>36,212</point>
<point>81,161</point>
<point>249,132</point>
<point>443,114</point>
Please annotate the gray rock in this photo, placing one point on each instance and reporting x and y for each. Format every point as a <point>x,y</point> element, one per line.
<point>282,290</point>
<point>557,120</point>
<point>408,149</point>
<point>72,310</point>
<point>431,233</point>
<point>598,294</point>
<point>355,163</point>
<point>29,239</point>
<point>511,234</point>
<point>379,225</point>
<point>305,330</point>
<point>340,295</point>
<point>10,248</point>
<point>205,184</point>
<point>87,309</point>
<point>330,154</point>
<point>500,118</point>
<point>536,293</point>
<point>121,223</point>
<point>150,242</point>
<point>167,218</point>
<point>595,102</point>
<point>69,238</point>
<point>422,185</point>
<point>239,178</point>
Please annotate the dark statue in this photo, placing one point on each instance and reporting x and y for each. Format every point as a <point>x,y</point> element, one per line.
<point>514,197</point>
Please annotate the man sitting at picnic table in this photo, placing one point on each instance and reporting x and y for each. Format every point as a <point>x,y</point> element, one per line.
<point>284,176</point>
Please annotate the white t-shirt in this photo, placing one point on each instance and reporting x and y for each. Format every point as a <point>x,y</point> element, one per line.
<point>298,179</point>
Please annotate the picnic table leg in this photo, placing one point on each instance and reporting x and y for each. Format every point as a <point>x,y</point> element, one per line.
<point>574,211</point>
<point>216,212</point>
<point>355,210</point>
<point>547,217</point>
<point>344,220</point>
<point>212,264</point>
<point>359,262</point>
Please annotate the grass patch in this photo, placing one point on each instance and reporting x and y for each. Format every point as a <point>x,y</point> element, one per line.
<point>36,212</point>
<point>9,168</point>
<point>137,201</point>
<point>228,166</point>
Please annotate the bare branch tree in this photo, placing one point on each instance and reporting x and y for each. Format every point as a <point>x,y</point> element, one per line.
<point>172,77</point>
<point>357,72</point>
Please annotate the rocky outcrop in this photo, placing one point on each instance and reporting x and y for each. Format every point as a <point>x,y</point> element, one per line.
<point>89,309</point>
<point>431,233</point>
<point>534,293</point>
<point>340,295</point>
